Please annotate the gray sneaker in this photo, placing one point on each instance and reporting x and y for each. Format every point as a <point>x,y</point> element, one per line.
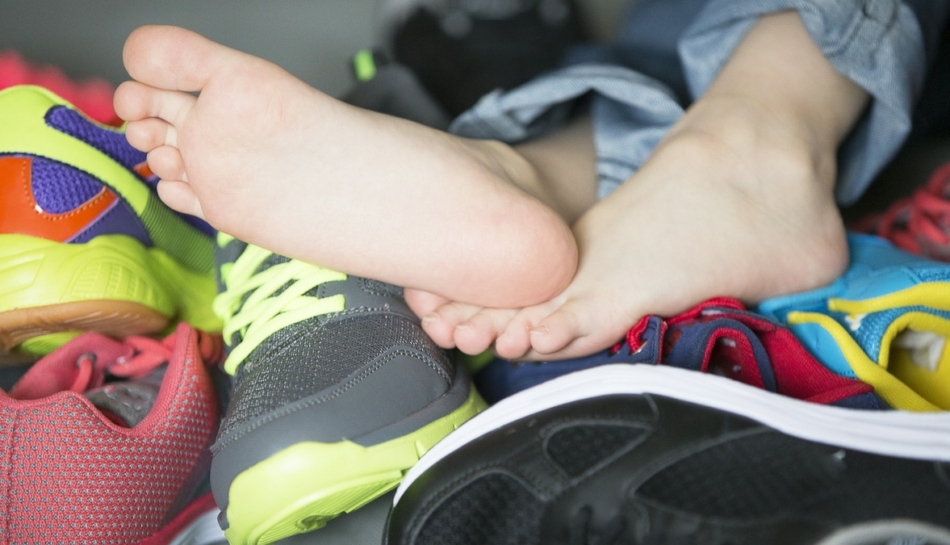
<point>337,393</point>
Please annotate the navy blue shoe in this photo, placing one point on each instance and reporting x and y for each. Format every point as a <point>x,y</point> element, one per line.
<point>718,336</point>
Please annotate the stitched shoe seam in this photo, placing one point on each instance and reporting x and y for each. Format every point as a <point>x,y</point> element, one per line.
<point>338,391</point>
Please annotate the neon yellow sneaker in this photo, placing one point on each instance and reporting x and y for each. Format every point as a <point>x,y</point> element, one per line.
<point>85,242</point>
<point>337,393</point>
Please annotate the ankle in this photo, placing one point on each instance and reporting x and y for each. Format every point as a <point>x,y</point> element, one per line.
<point>781,152</point>
<point>775,181</point>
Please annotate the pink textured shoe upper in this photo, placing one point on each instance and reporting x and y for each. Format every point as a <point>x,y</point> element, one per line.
<point>70,474</point>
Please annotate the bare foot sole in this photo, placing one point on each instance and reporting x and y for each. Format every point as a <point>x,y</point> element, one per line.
<point>272,161</point>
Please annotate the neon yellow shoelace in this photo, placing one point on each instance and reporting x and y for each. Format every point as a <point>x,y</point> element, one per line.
<point>265,311</point>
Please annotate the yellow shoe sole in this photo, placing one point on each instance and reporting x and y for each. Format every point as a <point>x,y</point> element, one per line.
<point>113,284</point>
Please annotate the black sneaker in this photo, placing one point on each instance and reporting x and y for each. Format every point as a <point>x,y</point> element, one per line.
<point>390,88</point>
<point>337,392</point>
<point>636,454</point>
<point>463,49</point>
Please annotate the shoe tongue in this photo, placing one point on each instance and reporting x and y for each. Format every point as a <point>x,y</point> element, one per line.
<point>124,401</point>
<point>128,402</point>
<point>720,345</point>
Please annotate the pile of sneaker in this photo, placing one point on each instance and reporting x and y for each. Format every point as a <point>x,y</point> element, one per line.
<point>120,323</point>
<point>813,419</point>
<point>106,333</point>
<point>170,384</point>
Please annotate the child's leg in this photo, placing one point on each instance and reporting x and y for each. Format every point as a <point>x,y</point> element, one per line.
<point>737,200</point>
<point>272,161</point>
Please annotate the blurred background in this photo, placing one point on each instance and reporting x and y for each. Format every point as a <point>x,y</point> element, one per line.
<point>312,39</point>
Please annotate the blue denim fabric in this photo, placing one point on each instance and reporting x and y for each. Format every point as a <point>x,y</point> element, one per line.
<point>671,50</point>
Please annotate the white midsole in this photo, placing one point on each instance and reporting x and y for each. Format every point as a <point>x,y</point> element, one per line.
<point>895,532</point>
<point>902,434</point>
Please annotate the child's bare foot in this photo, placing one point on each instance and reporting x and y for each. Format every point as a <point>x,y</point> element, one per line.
<point>272,161</point>
<point>726,205</point>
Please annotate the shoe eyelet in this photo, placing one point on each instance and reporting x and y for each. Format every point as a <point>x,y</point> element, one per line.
<point>90,356</point>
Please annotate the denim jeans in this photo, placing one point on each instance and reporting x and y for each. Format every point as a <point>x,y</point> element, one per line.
<point>669,52</point>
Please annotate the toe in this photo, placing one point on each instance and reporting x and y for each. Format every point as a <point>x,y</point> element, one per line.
<point>180,197</point>
<point>148,134</point>
<point>422,302</point>
<point>574,330</point>
<point>166,163</point>
<point>477,334</point>
<point>515,341</point>
<point>168,57</point>
<point>555,332</point>
<point>441,323</point>
<point>134,101</point>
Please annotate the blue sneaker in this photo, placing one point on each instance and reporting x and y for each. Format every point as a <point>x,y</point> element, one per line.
<point>884,322</point>
<point>719,337</point>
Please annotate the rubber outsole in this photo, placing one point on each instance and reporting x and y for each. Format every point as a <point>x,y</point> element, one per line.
<point>112,284</point>
<point>923,436</point>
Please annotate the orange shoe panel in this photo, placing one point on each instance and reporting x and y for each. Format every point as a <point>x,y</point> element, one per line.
<point>20,213</point>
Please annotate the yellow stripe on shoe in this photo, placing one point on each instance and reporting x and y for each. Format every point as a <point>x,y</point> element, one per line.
<point>895,391</point>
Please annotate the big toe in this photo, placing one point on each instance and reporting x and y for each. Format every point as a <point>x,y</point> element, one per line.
<point>174,58</point>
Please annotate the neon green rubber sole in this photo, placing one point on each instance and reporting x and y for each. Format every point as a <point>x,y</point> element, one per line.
<point>113,284</point>
<point>302,487</point>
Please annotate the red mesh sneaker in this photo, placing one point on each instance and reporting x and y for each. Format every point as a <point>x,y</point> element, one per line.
<point>105,441</point>
<point>919,224</point>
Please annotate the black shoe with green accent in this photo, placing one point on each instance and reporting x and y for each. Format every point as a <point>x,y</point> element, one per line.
<point>337,393</point>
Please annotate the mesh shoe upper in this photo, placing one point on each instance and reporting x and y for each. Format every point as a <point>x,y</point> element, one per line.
<point>323,363</point>
<point>110,440</point>
<point>306,359</point>
<point>81,179</point>
<point>85,242</point>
